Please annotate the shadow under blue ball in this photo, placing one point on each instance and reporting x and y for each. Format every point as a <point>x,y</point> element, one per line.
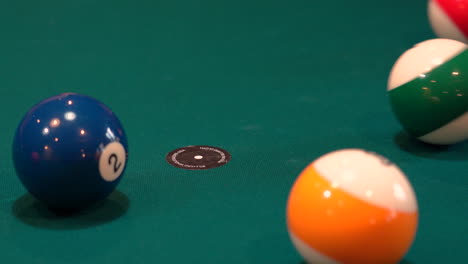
<point>34,213</point>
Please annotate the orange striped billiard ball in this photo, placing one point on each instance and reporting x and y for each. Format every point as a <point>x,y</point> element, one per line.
<point>352,206</point>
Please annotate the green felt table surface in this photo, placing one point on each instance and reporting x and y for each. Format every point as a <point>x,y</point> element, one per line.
<point>275,83</point>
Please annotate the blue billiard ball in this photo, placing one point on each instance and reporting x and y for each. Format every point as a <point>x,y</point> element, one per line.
<point>70,151</point>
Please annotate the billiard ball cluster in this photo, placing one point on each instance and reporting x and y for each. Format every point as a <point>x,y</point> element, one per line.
<point>348,206</point>
<point>355,206</point>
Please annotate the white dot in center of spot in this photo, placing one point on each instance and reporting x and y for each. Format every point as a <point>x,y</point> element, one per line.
<point>198,157</point>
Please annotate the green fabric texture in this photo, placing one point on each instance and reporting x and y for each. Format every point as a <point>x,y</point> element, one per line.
<point>430,102</point>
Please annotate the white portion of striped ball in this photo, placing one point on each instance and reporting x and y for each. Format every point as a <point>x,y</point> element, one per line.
<point>309,254</point>
<point>442,24</point>
<point>450,133</point>
<point>369,177</point>
<point>421,59</point>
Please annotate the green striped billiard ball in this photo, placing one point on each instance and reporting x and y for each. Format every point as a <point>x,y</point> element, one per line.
<point>428,91</point>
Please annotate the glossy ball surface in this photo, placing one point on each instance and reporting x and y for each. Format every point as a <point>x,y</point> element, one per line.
<point>428,91</point>
<point>449,19</point>
<point>70,151</point>
<point>352,206</point>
